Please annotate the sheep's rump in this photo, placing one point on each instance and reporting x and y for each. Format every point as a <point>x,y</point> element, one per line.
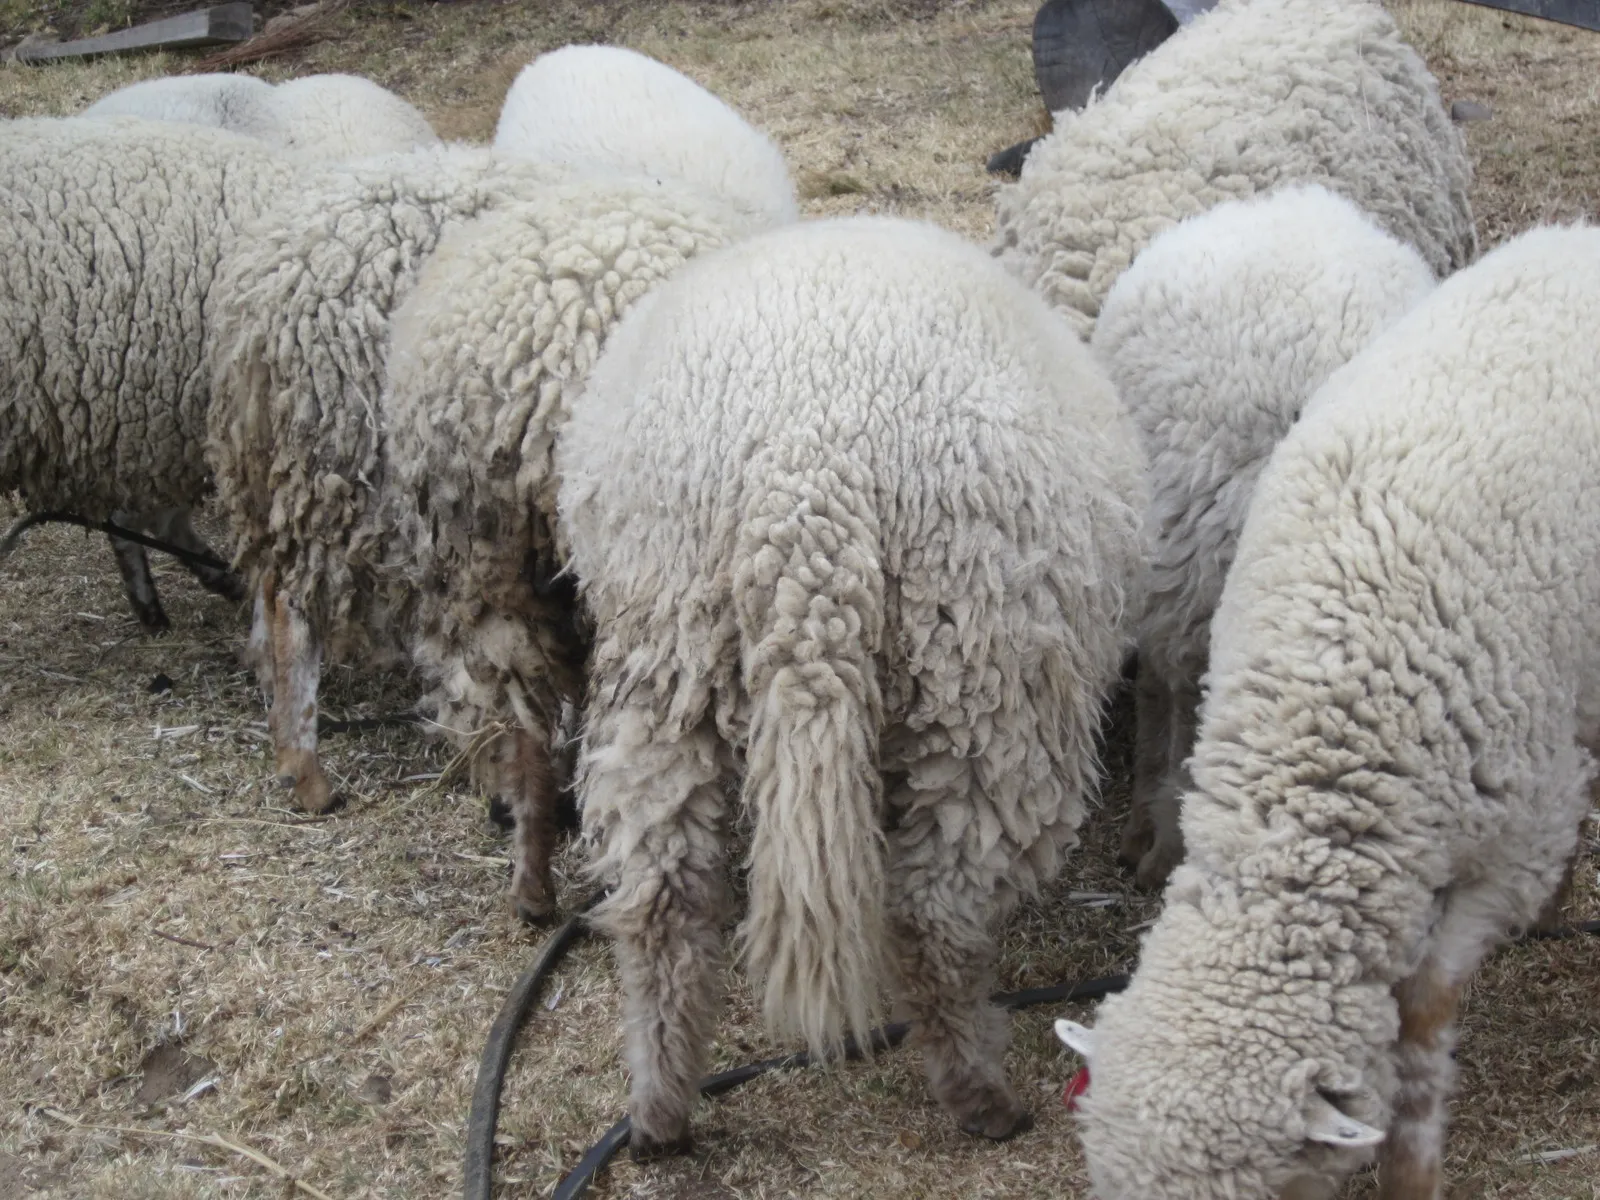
<point>317,118</point>
<point>855,447</point>
<point>1249,96</point>
<point>300,334</point>
<point>583,106</point>
<point>111,233</point>
<point>504,324</point>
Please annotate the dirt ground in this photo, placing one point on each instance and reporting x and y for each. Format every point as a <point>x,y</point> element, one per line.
<point>189,970</point>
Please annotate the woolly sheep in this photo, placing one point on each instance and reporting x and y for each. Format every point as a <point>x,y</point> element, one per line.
<point>1215,338</point>
<point>607,106</point>
<point>1394,753</point>
<point>241,103</point>
<point>111,233</point>
<point>1247,97</point>
<point>845,503</point>
<point>505,319</point>
<point>318,118</point>
<point>300,321</point>
<point>301,450</point>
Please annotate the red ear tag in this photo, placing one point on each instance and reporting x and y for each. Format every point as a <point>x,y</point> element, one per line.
<point>1077,1086</point>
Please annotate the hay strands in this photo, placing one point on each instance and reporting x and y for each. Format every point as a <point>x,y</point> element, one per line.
<point>215,1140</point>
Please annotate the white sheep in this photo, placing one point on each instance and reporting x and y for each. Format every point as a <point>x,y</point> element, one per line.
<point>301,447</point>
<point>606,106</point>
<point>241,103</point>
<point>300,328</point>
<point>317,118</point>
<point>1393,759</point>
<point>503,325</point>
<point>850,509</point>
<point>1247,97</point>
<point>1216,338</point>
<point>111,233</point>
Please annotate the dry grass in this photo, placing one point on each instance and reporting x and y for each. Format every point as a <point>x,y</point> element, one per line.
<point>118,841</point>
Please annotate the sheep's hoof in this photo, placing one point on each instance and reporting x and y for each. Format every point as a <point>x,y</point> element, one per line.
<point>643,1147</point>
<point>1157,865</point>
<point>312,793</point>
<point>995,1113</point>
<point>1137,840</point>
<point>532,909</point>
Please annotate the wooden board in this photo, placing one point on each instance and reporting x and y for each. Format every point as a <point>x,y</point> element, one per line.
<point>212,26</point>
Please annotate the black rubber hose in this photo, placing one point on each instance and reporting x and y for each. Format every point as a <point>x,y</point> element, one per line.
<point>602,1152</point>
<point>497,1055</point>
<point>478,1174</point>
<point>128,535</point>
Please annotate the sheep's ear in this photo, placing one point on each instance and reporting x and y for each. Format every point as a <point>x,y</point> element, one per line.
<point>1326,1124</point>
<point>1077,1037</point>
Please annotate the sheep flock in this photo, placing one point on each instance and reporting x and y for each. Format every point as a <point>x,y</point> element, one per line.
<point>790,582</point>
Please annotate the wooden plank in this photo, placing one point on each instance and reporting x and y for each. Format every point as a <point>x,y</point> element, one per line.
<point>212,26</point>
<point>1584,14</point>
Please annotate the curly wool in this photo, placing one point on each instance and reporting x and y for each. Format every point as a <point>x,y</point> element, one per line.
<point>111,234</point>
<point>846,495</point>
<point>1390,772</point>
<point>1249,96</point>
<point>504,323</point>
<point>318,118</point>
<point>606,106</point>
<point>300,325</point>
<point>1216,337</point>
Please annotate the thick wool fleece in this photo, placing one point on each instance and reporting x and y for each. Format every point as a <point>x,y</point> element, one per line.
<point>1249,96</point>
<point>110,234</point>
<point>847,500</point>
<point>300,324</point>
<point>337,118</point>
<point>1390,773</point>
<point>319,118</point>
<point>606,106</point>
<point>505,321</point>
<point>241,103</point>
<point>1216,338</point>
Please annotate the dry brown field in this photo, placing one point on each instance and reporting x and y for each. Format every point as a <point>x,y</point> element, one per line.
<point>188,969</point>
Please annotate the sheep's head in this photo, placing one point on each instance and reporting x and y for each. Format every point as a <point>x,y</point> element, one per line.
<point>1209,1080</point>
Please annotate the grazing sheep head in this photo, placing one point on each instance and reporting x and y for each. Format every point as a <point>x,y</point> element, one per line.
<point>1199,1109</point>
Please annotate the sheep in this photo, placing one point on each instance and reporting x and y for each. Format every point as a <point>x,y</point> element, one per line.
<point>300,324</point>
<point>1394,753</point>
<point>318,118</point>
<point>300,446</point>
<point>241,103</point>
<point>111,234</point>
<point>506,317</point>
<point>609,106</point>
<point>1252,95</point>
<point>1216,337</point>
<point>847,506</point>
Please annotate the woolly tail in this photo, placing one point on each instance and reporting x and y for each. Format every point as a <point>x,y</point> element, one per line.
<point>809,594</point>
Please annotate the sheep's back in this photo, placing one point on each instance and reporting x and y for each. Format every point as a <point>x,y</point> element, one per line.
<point>111,236</point>
<point>1250,96</point>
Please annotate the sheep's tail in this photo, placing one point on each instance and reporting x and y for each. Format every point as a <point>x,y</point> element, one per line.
<point>810,599</point>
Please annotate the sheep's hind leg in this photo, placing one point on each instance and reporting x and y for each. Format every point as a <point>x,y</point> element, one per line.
<point>944,953</point>
<point>1166,849</point>
<point>297,670</point>
<point>528,790</point>
<point>139,586</point>
<point>175,527</point>
<point>1152,740</point>
<point>653,807</point>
